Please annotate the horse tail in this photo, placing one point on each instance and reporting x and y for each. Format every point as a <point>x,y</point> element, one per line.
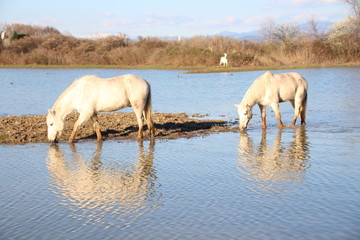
<point>303,108</point>
<point>147,114</point>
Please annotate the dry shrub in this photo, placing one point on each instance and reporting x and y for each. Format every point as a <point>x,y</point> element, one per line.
<point>112,42</point>
<point>151,42</point>
<point>49,47</point>
<point>23,45</point>
<point>127,56</point>
<point>58,42</point>
<point>31,30</point>
<point>85,46</point>
<point>179,55</point>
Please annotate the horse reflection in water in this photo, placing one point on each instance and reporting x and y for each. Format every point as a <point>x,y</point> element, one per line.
<point>274,168</point>
<point>113,195</point>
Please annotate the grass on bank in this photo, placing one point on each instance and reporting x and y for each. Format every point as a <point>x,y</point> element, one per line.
<point>187,69</point>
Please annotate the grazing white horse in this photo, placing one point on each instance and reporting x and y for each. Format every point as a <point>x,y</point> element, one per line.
<point>271,89</point>
<point>223,60</point>
<point>91,94</point>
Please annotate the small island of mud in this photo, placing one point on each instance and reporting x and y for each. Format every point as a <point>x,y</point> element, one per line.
<point>114,126</point>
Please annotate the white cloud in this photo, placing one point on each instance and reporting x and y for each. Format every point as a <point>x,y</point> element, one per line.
<point>271,5</point>
<point>173,19</point>
<point>51,20</point>
<point>253,20</point>
<point>113,23</point>
<point>99,35</point>
<point>301,2</point>
<point>145,25</point>
<point>231,20</point>
<point>312,2</point>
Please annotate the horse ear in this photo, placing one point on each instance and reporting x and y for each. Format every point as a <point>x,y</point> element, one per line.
<point>268,74</point>
<point>52,112</point>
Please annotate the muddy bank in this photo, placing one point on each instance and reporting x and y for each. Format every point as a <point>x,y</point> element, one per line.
<point>25,129</point>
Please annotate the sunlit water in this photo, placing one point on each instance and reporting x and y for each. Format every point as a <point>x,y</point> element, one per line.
<point>294,183</point>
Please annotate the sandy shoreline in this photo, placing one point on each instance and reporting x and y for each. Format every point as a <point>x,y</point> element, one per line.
<point>114,126</point>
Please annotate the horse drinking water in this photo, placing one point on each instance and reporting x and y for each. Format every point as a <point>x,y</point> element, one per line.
<point>271,89</point>
<point>91,94</point>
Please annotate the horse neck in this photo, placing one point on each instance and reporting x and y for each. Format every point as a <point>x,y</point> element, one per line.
<point>62,107</point>
<point>250,98</point>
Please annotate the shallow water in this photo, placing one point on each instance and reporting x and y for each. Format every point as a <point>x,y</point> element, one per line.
<point>294,183</point>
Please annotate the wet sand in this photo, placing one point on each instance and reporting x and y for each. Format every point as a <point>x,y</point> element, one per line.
<point>114,126</point>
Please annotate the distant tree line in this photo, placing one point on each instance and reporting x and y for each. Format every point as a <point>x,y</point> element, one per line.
<point>282,44</point>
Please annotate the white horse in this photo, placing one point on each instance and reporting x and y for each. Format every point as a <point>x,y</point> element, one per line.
<point>3,35</point>
<point>271,89</point>
<point>223,60</point>
<point>91,94</point>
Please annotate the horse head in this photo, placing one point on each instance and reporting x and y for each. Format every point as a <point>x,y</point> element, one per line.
<point>245,115</point>
<point>55,126</point>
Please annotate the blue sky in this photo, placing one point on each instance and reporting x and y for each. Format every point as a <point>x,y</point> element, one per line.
<point>165,18</point>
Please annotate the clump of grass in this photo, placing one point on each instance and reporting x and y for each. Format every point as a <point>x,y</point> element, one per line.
<point>2,137</point>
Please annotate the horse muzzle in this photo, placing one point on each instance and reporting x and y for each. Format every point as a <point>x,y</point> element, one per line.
<point>53,139</point>
<point>242,128</point>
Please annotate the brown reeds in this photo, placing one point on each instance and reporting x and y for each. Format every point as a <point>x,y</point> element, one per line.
<point>47,46</point>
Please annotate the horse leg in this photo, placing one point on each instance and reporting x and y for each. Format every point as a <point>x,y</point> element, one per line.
<point>263,115</point>
<point>296,106</point>
<point>73,133</point>
<point>96,126</point>
<point>139,115</point>
<point>303,113</point>
<point>82,118</point>
<point>147,115</point>
<point>299,104</point>
<point>275,107</point>
<point>296,114</point>
<point>292,103</point>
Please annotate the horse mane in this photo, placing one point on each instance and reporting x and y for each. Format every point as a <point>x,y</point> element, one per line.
<point>256,90</point>
<point>72,86</point>
<point>60,98</point>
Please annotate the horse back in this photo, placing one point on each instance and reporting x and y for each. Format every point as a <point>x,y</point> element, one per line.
<point>118,92</point>
<point>287,85</point>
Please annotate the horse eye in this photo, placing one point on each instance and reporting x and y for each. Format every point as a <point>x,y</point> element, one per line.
<point>51,124</point>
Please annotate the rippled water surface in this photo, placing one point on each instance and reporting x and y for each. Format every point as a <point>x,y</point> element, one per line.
<point>294,183</point>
